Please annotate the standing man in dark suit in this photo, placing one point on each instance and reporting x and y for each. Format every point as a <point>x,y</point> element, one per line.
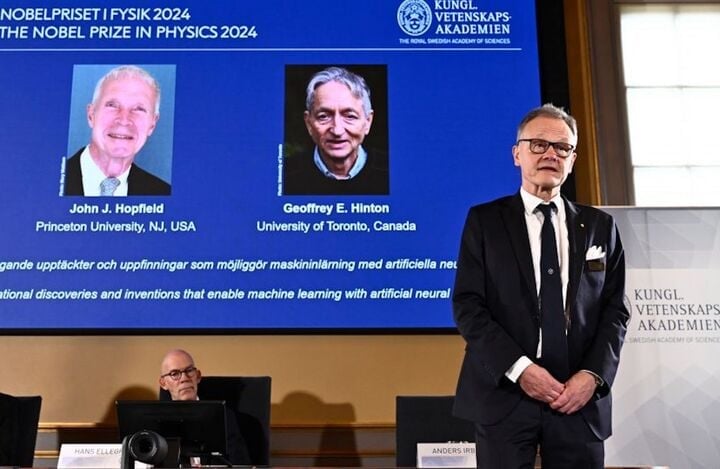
<point>123,114</point>
<point>539,301</point>
<point>180,377</point>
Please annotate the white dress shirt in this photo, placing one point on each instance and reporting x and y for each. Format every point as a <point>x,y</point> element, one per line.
<point>534,221</point>
<point>92,176</point>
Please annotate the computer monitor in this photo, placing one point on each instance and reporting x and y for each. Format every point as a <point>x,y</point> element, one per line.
<point>198,428</point>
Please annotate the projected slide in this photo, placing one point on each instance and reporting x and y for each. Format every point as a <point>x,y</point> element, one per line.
<point>165,169</point>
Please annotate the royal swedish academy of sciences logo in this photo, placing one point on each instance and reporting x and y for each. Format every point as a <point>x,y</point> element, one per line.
<point>414,17</point>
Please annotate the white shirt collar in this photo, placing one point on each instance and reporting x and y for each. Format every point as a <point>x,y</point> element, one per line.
<point>530,202</point>
<point>92,176</point>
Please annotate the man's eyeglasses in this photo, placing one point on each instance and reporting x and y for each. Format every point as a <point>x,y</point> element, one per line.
<point>175,375</point>
<point>540,146</point>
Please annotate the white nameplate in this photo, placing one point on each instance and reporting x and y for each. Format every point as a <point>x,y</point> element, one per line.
<point>100,456</point>
<point>453,454</point>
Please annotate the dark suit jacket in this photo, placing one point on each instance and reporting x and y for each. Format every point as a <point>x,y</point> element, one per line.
<point>140,182</point>
<point>496,309</point>
<point>302,177</point>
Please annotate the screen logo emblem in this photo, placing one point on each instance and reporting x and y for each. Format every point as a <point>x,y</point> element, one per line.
<point>414,17</point>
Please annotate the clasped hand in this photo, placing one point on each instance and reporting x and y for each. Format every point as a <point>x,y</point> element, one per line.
<point>566,398</point>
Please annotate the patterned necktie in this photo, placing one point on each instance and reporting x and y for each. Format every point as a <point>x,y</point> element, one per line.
<point>554,338</point>
<point>108,186</point>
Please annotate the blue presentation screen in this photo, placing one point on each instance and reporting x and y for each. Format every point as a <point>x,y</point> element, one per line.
<point>232,236</point>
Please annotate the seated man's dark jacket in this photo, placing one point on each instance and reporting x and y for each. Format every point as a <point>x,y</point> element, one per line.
<point>140,182</point>
<point>302,177</point>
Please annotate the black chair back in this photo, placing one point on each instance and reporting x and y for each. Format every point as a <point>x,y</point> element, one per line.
<point>19,417</point>
<point>426,419</point>
<point>249,396</point>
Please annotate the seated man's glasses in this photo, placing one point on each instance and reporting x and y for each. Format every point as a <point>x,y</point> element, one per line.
<point>540,146</point>
<point>177,374</point>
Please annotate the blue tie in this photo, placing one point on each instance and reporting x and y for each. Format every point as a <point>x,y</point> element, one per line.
<point>108,186</point>
<point>552,314</point>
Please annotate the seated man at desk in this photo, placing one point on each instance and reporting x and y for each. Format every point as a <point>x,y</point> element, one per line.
<point>180,377</point>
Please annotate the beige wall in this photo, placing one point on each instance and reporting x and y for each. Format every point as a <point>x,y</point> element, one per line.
<point>316,379</point>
